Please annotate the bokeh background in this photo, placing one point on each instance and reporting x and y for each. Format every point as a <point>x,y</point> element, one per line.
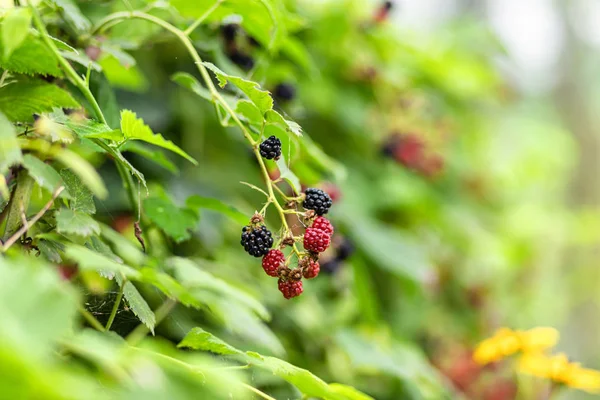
<point>459,140</point>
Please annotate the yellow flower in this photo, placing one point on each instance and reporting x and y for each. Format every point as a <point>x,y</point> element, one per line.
<point>506,342</point>
<point>539,339</point>
<point>558,369</point>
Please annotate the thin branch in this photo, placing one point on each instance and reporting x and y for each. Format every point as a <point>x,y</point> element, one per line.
<point>115,308</point>
<point>258,392</point>
<point>197,22</point>
<point>91,319</point>
<point>28,224</point>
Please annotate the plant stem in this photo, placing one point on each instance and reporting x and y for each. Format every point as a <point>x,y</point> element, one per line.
<point>67,68</point>
<point>141,330</point>
<point>27,224</point>
<point>19,199</point>
<point>197,22</point>
<point>258,392</point>
<point>115,308</point>
<point>91,319</point>
<point>115,18</point>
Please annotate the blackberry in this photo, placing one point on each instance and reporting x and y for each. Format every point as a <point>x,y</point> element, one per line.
<point>317,200</point>
<point>271,148</point>
<point>344,250</point>
<point>272,261</point>
<point>229,32</point>
<point>290,289</point>
<point>256,241</point>
<point>331,266</point>
<point>316,240</point>
<point>242,60</point>
<point>311,269</point>
<point>388,5</point>
<point>323,224</point>
<point>284,92</point>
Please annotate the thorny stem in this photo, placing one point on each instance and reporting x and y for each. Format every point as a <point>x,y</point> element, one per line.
<point>115,308</point>
<point>118,17</point>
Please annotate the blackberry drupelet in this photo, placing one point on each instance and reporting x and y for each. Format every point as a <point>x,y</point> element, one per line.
<point>317,200</point>
<point>271,148</point>
<point>316,240</point>
<point>256,241</point>
<point>323,224</point>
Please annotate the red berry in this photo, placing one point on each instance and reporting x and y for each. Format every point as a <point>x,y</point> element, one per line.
<point>323,224</point>
<point>316,240</point>
<point>312,270</point>
<point>290,289</point>
<point>271,262</point>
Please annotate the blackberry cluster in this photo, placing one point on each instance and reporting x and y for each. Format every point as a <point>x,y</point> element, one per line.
<point>272,261</point>
<point>256,241</point>
<point>323,224</point>
<point>316,240</point>
<point>271,148</point>
<point>311,269</point>
<point>290,288</point>
<point>284,92</point>
<point>317,200</point>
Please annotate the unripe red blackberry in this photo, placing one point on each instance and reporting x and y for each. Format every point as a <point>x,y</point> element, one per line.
<point>271,262</point>
<point>311,269</point>
<point>290,289</point>
<point>317,200</point>
<point>256,241</point>
<point>316,240</point>
<point>270,148</point>
<point>323,224</point>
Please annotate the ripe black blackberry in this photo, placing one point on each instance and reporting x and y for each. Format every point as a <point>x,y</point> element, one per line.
<point>271,148</point>
<point>256,241</point>
<point>242,60</point>
<point>284,92</point>
<point>229,32</point>
<point>317,200</point>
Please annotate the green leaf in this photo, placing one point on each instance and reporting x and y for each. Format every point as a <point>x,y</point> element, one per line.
<point>129,251</point>
<point>15,27</point>
<point>169,286</point>
<point>349,392</point>
<point>137,304</point>
<point>134,129</point>
<point>50,250</point>
<point>189,82</point>
<point>76,222</point>
<point>192,276</point>
<point>249,112</point>
<point>208,203</point>
<point>274,118</point>
<point>130,78</point>
<point>199,339</point>
<point>84,170</point>
<point>21,99</point>
<point>261,98</point>
<point>43,174</point>
<point>10,151</point>
<point>288,175</point>
<point>82,198</point>
<point>91,260</point>
<point>153,155</point>
<point>31,57</point>
<point>73,15</point>
<point>174,221</point>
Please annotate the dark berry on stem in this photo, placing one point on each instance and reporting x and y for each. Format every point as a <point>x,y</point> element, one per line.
<point>345,250</point>
<point>284,92</point>
<point>242,60</point>
<point>323,224</point>
<point>256,241</point>
<point>290,289</point>
<point>229,32</point>
<point>317,200</point>
<point>331,266</point>
<point>270,148</point>
<point>316,240</point>
<point>272,261</point>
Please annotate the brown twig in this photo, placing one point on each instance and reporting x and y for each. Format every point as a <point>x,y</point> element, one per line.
<point>28,224</point>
